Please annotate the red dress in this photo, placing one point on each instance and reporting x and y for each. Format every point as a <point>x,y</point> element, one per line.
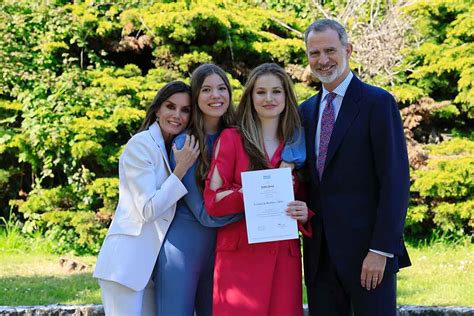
<point>249,279</point>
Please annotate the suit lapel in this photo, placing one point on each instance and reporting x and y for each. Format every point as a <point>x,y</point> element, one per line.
<point>312,127</point>
<point>347,114</point>
<point>155,133</point>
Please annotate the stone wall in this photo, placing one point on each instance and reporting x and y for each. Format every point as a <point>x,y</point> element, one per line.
<point>97,310</point>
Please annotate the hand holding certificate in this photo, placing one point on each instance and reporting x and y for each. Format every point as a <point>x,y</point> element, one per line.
<point>266,196</point>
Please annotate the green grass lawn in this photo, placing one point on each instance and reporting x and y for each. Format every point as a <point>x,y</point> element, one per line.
<point>441,275</point>
<point>38,279</point>
<point>30,275</point>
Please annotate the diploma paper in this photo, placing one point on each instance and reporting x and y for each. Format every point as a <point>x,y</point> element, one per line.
<point>266,196</point>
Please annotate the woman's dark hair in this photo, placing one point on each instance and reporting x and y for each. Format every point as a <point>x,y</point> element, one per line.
<point>163,94</point>
<point>197,122</point>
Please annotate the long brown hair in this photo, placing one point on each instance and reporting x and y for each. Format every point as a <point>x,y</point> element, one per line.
<point>163,94</point>
<point>250,125</point>
<point>197,122</point>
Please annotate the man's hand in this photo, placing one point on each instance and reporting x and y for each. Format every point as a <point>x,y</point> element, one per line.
<point>373,268</point>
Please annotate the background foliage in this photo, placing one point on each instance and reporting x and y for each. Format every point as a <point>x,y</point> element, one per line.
<point>76,78</point>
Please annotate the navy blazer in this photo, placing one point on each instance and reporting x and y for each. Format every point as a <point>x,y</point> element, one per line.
<point>362,197</point>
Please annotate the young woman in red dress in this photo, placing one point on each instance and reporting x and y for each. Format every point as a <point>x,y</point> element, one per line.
<point>263,278</point>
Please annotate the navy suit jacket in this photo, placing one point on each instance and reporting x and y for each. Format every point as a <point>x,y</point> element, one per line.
<point>362,198</point>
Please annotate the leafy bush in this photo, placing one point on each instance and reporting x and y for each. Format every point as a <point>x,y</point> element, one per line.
<point>444,191</point>
<point>446,59</point>
<point>76,78</point>
<point>72,94</point>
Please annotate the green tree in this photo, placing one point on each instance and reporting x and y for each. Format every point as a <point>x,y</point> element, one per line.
<point>445,61</point>
<point>76,79</point>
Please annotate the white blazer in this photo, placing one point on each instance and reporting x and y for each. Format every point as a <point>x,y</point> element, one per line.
<point>148,192</point>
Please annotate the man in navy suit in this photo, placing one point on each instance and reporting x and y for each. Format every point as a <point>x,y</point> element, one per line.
<point>358,187</point>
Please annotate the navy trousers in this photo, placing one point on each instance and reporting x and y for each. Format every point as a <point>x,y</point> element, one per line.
<point>337,293</point>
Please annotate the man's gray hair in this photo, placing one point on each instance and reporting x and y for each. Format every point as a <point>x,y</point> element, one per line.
<point>324,24</point>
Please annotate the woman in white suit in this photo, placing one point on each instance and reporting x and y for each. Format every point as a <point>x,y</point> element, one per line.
<point>148,192</point>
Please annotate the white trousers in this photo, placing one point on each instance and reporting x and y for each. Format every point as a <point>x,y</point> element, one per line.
<point>119,300</point>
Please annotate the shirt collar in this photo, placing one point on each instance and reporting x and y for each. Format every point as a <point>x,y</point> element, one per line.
<point>341,88</point>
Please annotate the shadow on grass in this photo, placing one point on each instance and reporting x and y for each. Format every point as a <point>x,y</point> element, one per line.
<point>77,288</point>
<point>402,290</point>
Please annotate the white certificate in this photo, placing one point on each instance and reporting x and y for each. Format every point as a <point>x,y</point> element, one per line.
<point>266,196</point>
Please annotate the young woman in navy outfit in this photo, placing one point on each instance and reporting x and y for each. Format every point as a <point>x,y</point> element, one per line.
<point>184,269</point>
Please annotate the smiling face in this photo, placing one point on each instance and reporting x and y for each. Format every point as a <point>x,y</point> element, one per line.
<point>328,57</point>
<point>268,96</point>
<point>214,97</point>
<point>173,115</point>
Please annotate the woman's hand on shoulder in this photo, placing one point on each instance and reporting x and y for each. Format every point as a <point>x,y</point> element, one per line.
<point>186,156</point>
<point>180,139</point>
<point>298,210</point>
